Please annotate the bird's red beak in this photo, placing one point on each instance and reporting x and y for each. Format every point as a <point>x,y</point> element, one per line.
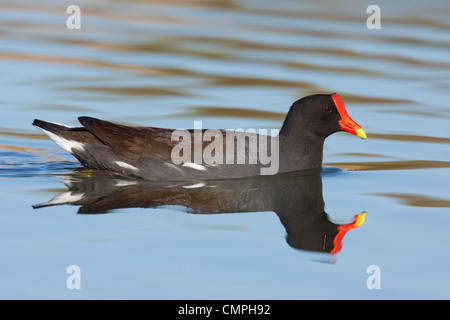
<point>358,221</point>
<point>347,123</point>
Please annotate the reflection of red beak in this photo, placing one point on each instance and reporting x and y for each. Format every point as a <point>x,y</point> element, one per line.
<point>346,122</point>
<point>343,229</point>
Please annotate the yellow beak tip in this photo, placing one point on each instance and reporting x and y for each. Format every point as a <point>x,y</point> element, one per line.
<point>360,219</point>
<point>360,133</point>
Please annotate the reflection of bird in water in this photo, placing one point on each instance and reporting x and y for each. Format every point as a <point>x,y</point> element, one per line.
<point>296,198</point>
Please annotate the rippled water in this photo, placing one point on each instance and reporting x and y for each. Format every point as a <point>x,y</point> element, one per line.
<point>231,64</point>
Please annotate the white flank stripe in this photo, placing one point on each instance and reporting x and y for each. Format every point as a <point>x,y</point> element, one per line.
<point>197,185</point>
<point>194,166</point>
<point>126,166</point>
<point>67,145</point>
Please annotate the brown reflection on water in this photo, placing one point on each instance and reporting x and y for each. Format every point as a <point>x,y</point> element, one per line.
<point>35,151</point>
<point>134,91</point>
<point>409,137</point>
<point>64,60</point>
<point>230,112</point>
<point>389,165</point>
<point>16,134</point>
<point>418,200</point>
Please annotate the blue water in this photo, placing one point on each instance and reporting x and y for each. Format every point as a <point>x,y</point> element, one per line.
<point>168,64</point>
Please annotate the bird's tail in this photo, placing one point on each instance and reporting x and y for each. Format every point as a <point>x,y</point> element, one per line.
<point>61,134</point>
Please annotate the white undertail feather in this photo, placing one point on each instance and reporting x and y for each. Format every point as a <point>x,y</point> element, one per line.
<point>68,145</point>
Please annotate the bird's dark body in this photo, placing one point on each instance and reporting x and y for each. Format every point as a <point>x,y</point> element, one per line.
<point>147,152</point>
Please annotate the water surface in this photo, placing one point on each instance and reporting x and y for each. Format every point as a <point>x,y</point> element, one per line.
<point>231,64</point>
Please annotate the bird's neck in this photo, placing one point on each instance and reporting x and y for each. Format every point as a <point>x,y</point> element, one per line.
<point>300,151</point>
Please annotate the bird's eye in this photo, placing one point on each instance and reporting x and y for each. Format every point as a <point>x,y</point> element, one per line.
<point>326,109</point>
